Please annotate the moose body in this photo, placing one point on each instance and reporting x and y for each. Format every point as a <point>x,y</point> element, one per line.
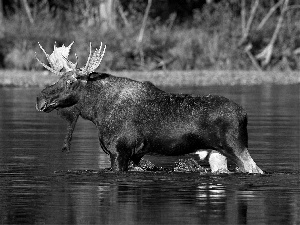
<point>136,118</point>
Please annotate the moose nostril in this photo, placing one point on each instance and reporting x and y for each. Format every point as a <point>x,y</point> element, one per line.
<point>41,104</point>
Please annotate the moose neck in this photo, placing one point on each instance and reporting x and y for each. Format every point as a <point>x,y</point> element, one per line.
<point>99,93</point>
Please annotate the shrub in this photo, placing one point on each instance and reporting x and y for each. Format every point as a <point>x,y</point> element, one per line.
<point>208,41</point>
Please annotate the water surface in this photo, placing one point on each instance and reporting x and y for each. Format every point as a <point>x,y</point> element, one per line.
<point>41,185</point>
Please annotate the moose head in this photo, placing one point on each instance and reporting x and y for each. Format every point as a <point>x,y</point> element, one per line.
<point>65,92</point>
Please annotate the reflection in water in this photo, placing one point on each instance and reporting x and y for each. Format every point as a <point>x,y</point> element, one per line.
<point>31,192</point>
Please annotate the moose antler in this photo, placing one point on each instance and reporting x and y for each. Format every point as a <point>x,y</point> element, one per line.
<point>93,61</point>
<point>58,59</point>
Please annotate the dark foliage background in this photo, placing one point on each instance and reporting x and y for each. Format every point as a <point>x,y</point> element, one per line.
<point>175,35</point>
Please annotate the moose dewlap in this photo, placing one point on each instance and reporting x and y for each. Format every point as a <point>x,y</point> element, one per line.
<point>137,118</point>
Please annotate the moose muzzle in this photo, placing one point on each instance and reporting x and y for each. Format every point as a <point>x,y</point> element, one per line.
<point>41,104</point>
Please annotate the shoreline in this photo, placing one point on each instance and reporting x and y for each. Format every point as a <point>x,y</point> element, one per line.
<point>20,78</point>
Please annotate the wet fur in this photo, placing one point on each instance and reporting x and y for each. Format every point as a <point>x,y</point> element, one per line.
<point>136,118</point>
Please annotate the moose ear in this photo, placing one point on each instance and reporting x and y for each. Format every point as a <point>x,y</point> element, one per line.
<point>97,76</point>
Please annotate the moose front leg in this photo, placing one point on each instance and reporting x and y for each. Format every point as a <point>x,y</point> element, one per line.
<point>71,116</point>
<point>119,152</point>
<point>68,137</point>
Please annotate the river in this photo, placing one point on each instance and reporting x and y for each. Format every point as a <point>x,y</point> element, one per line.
<point>39,184</point>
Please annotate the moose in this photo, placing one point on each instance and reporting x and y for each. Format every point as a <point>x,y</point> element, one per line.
<point>136,118</point>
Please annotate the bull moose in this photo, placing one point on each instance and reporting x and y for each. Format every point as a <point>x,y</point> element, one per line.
<point>136,118</point>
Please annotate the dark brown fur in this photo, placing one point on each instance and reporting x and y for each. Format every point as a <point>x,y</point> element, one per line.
<point>136,118</point>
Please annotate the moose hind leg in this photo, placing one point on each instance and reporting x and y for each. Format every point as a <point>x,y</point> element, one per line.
<point>234,145</point>
<point>217,161</point>
<point>246,163</point>
<point>236,150</point>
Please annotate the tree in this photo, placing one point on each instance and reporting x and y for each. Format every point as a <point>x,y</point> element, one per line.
<point>27,10</point>
<point>264,57</point>
<point>1,20</point>
<point>107,14</point>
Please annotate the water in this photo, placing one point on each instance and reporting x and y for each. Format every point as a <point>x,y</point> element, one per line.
<point>41,185</point>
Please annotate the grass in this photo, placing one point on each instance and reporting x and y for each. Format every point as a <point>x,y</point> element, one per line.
<point>20,78</point>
